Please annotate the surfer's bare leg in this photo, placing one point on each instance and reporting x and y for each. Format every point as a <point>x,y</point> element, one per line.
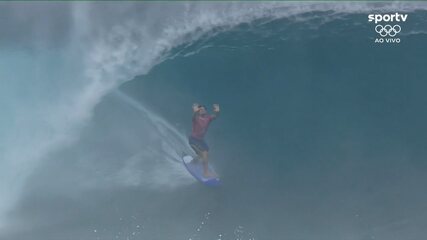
<point>199,154</point>
<point>204,158</point>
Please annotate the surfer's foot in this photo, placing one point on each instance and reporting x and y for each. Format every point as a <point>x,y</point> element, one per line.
<point>209,175</point>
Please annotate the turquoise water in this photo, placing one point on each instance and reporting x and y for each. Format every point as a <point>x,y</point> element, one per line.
<point>321,135</point>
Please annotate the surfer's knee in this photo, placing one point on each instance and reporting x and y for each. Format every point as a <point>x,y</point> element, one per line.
<point>204,155</point>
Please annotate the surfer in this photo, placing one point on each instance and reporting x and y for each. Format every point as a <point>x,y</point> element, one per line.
<point>201,121</point>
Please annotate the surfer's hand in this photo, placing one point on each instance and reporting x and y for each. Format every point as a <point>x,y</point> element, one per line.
<point>195,107</point>
<point>216,107</point>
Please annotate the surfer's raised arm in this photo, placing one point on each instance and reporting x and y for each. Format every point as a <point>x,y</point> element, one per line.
<point>216,110</point>
<point>196,107</point>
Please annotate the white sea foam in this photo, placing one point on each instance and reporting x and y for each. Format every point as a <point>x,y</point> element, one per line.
<point>155,166</point>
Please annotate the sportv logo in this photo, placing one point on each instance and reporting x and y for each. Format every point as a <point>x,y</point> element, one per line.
<point>387,17</point>
<point>387,32</point>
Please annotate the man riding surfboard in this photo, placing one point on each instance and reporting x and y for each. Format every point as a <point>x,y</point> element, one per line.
<point>201,121</point>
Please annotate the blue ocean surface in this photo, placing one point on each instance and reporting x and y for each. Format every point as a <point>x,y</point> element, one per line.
<point>322,132</point>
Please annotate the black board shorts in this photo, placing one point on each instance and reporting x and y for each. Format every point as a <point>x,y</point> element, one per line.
<point>199,145</point>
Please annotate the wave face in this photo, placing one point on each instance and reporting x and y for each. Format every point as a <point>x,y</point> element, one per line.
<point>321,135</point>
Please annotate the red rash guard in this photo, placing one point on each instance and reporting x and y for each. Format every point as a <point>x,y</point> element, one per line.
<point>201,124</point>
